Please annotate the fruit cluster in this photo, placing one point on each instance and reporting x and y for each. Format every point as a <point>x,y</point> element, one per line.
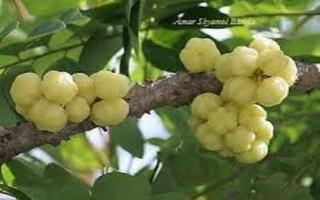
<point>232,123</point>
<point>242,132</point>
<point>60,97</point>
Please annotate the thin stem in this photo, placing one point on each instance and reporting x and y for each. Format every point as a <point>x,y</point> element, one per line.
<point>42,55</point>
<point>214,185</point>
<point>65,48</point>
<point>306,13</point>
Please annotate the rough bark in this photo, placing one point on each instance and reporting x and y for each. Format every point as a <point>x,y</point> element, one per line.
<point>175,90</point>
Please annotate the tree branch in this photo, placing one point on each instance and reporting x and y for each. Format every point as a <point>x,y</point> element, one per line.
<point>176,90</point>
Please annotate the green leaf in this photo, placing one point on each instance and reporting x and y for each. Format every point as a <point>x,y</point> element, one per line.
<point>301,45</point>
<point>97,52</point>
<point>63,185</point>
<point>125,58</point>
<point>162,57</point>
<point>8,29</point>
<point>171,196</point>
<point>55,182</point>
<point>128,136</point>
<point>119,186</point>
<point>112,13</point>
<point>16,48</point>
<point>72,16</point>
<point>47,28</point>
<point>184,169</point>
<point>68,153</point>
<point>315,189</point>
<point>65,64</point>
<point>307,59</point>
<point>175,120</point>
<point>161,9</point>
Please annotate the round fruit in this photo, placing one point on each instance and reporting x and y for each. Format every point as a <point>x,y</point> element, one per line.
<point>109,112</point>
<point>275,63</point>
<point>272,91</point>
<point>194,122</point>
<point>48,116</point>
<point>59,87</point>
<point>262,128</point>
<point>240,90</point>
<point>243,61</point>
<point>222,120</point>
<point>200,55</point>
<point>251,112</point>
<point>240,139</point>
<point>205,103</point>
<point>77,109</point>
<point>25,89</point>
<point>223,69</point>
<point>22,110</point>
<point>258,151</point>
<point>86,87</point>
<point>209,139</point>
<point>262,44</point>
<point>110,85</point>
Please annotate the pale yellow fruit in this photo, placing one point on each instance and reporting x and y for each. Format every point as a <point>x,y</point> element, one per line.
<point>240,90</point>
<point>86,87</point>
<point>77,109</point>
<point>222,120</point>
<point>48,116</point>
<point>239,139</point>
<point>250,112</point>
<point>272,91</point>
<point>59,87</point>
<point>25,89</point>
<point>243,61</point>
<point>223,69</point>
<point>22,110</point>
<point>110,85</point>
<point>200,55</point>
<point>209,139</point>
<point>205,103</point>
<point>258,151</point>
<point>109,112</point>
<point>262,44</point>
<point>233,107</point>
<point>194,122</point>
<point>275,63</point>
<point>262,128</point>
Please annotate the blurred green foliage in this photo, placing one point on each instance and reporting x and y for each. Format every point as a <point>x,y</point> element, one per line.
<point>89,35</point>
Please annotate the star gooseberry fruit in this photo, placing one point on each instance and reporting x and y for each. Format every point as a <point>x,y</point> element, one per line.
<point>25,89</point>
<point>86,87</point>
<point>205,103</point>
<point>109,112</point>
<point>257,152</point>
<point>108,85</point>
<point>263,44</point>
<point>59,87</point>
<point>48,115</point>
<point>77,109</point>
<point>200,55</point>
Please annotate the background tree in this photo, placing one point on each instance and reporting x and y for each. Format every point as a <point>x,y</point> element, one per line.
<point>142,39</point>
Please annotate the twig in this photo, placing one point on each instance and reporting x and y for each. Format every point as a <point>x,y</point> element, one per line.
<point>176,90</point>
<point>22,10</point>
<point>65,48</point>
